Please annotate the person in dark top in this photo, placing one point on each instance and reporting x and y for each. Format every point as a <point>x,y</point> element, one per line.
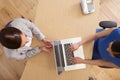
<point>106,50</point>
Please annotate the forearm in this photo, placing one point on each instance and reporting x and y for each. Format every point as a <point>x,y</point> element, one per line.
<point>33,51</point>
<point>96,35</point>
<point>87,39</point>
<point>100,63</point>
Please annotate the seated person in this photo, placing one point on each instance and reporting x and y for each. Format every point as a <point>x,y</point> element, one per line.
<point>16,37</point>
<point>106,48</point>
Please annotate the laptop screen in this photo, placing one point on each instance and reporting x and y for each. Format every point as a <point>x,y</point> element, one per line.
<point>59,56</point>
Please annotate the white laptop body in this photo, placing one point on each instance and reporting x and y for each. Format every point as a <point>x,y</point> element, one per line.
<point>60,55</point>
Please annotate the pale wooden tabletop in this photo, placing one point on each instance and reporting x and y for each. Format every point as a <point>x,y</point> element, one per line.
<point>60,19</point>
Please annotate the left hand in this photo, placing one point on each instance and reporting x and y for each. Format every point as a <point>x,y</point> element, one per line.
<point>48,43</point>
<point>46,49</point>
<point>77,60</point>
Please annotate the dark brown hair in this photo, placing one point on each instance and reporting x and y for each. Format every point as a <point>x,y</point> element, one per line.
<point>10,37</point>
<point>116,48</point>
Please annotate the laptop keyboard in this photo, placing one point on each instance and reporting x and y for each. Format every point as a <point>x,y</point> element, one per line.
<point>69,54</point>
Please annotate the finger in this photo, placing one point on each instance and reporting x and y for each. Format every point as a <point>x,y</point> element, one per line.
<point>70,48</point>
<point>48,47</point>
<point>48,51</point>
<point>50,41</point>
<point>67,49</point>
<point>48,44</point>
<point>73,61</point>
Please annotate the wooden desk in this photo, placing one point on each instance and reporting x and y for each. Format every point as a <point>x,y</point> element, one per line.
<point>59,19</point>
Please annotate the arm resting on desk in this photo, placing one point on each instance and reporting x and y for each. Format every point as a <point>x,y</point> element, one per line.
<point>100,63</point>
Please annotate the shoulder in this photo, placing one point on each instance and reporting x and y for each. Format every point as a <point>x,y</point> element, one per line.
<point>103,33</point>
<point>18,20</point>
<point>115,32</point>
<point>9,52</point>
<point>20,24</point>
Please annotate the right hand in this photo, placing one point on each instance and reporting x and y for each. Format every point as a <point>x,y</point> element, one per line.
<point>48,43</point>
<point>74,46</point>
<point>77,60</point>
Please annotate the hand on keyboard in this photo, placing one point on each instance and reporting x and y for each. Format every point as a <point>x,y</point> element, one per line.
<point>74,46</point>
<point>77,60</point>
<point>69,54</point>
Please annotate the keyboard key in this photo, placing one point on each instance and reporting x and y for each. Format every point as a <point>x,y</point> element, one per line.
<point>69,54</point>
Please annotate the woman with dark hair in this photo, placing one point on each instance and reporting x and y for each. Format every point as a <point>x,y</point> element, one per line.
<point>106,52</point>
<point>16,37</point>
<point>10,37</point>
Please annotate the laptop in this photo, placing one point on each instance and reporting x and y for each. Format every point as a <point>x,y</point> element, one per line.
<point>63,55</point>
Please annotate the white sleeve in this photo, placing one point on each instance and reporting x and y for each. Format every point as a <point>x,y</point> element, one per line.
<point>21,54</point>
<point>34,29</point>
